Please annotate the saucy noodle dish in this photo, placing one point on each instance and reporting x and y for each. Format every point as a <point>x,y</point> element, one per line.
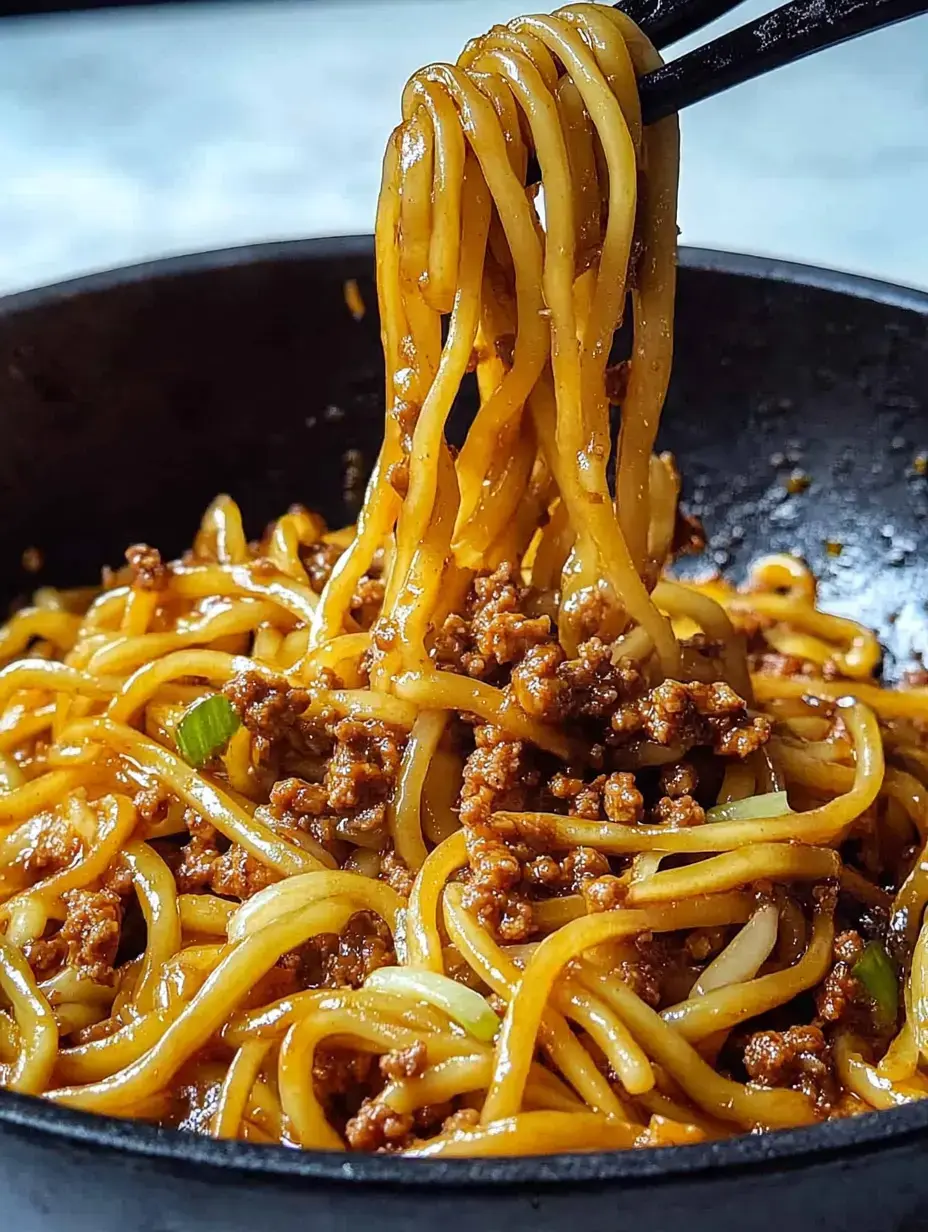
<point>468,829</point>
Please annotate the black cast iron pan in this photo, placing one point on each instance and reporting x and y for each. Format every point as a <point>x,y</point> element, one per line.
<point>128,400</point>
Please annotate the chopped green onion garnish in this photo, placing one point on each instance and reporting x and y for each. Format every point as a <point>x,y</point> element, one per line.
<point>206,728</point>
<point>876,972</point>
<point>468,1009</point>
<point>754,808</point>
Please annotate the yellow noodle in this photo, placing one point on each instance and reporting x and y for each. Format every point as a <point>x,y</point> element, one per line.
<point>236,1089</point>
<point>866,1081</point>
<point>116,819</point>
<point>754,862</point>
<point>298,891</point>
<point>224,988</point>
<point>498,971</point>
<point>723,1008</point>
<point>38,1030</point>
<point>204,913</point>
<point>405,808</point>
<point>532,1133</point>
<point>221,532</point>
<point>423,942</point>
<point>200,794</point>
<point>157,893</point>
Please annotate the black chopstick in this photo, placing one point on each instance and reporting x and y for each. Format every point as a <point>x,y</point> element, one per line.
<point>788,33</point>
<point>666,21</point>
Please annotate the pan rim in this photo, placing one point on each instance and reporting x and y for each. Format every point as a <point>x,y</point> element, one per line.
<point>361,247</point>
<point>784,1150</point>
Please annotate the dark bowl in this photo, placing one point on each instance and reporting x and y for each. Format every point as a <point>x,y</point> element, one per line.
<point>129,399</point>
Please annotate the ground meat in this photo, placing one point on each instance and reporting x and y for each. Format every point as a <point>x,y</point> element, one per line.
<point>545,871</point>
<point>538,686</point>
<point>367,601</point>
<point>197,856</point>
<point>583,864</point>
<point>376,1127</point>
<point>703,943</point>
<point>295,800</point>
<point>701,714</point>
<point>339,1071</point>
<point>398,477</point>
<point>232,873</point>
<point>361,773</point>
<point>461,1121</point>
<point>493,630</point>
<point>617,381</point>
<point>55,846</point>
<point>614,793</point>
<point>148,571</point>
<point>494,890</point>
<point>552,688</point>
<point>622,800</point>
<point>46,955</point>
<point>684,811</point>
<point>679,779</point>
<point>237,874</point>
<point>118,877</point>
<point>299,805</point>
<point>395,873</point>
<point>406,414</point>
<point>268,707</point>
<point>587,803</point>
<point>87,940</point>
<point>345,961</point>
<point>597,686</point>
<point>840,989</point>
<point>591,611</point>
<point>358,780</point>
<point>604,894</point>
<point>799,1058</point>
<point>565,786</point>
<point>405,1062</point>
<point>497,775</point>
<point>641,970</point>
<point>570,875</point>
<point>152,804</point>
<point>508,870</point>
<point>318,561</point>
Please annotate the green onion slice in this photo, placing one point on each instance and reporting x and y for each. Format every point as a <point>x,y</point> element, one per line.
<point>754,808</point>
<point>206,728</point>
<point>876,972</point>
<point>466,1007</point>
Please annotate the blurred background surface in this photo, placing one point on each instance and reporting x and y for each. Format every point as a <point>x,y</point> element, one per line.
<point>131,134</point>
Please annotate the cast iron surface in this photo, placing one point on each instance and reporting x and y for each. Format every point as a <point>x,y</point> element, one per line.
<point>129,399</point>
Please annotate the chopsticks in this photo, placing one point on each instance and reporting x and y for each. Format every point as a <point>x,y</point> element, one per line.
<point>666,21</point>
<point>789,33</point>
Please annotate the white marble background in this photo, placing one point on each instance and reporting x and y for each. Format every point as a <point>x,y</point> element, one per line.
<point>129,135</point>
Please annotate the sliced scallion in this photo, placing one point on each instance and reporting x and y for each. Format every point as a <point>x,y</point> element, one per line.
<point>876,972</point>
<point>754,808</point>
<point>465,1006</point>
<point>206,728</point>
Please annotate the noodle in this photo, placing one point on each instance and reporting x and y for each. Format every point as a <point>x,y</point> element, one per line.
<point>471,829</point>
